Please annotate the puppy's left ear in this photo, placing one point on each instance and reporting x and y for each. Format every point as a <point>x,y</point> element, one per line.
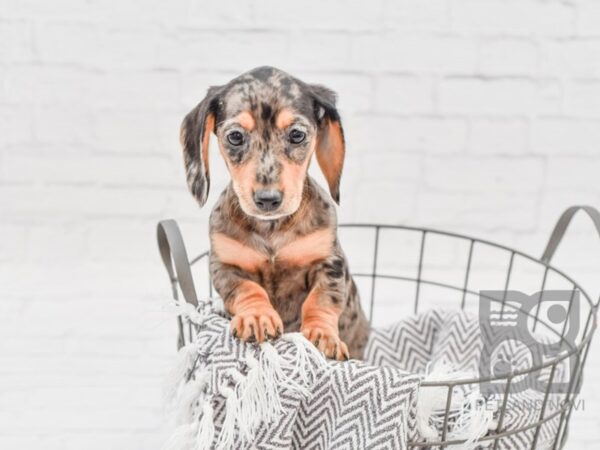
<point>195,134</point>
<point>330,147</point>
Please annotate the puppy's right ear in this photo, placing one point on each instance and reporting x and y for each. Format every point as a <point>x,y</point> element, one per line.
<point>194,136</point>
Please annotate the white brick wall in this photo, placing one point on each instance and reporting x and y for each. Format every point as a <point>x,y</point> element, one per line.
<point>478,116</point>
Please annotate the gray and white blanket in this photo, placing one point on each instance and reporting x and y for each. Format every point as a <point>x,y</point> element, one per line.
<point>284,394</point>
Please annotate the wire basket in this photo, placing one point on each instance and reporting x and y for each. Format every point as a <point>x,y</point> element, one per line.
<point>438,269</point>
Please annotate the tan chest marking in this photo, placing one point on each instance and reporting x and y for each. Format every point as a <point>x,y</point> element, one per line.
<point>307,249</point>
<point>300,252</point>
<point>230,251</point>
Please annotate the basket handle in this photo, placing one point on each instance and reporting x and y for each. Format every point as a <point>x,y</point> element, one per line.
<point>561,227</point>
<point>172,250</point>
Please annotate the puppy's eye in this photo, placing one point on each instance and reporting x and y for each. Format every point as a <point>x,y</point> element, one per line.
<point>296,136</point>
<point>235,138</point>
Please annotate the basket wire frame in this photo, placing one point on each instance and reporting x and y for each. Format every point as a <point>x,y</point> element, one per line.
<point>168,231</point>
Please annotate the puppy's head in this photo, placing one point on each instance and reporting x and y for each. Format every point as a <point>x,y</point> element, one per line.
<point>268,125</point>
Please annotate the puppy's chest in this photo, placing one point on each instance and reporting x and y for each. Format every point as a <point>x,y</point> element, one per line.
<point>281,252</point>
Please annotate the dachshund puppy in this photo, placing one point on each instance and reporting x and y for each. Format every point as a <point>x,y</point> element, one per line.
<point>275,258</point>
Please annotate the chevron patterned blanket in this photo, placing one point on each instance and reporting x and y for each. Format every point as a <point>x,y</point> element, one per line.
<point>448,345</point>
<point>228,394</point>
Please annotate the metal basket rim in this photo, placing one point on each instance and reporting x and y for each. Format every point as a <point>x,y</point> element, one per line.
<point>474,239</point>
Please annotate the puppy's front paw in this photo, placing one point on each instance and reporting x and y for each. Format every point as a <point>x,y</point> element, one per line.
<point>257,323</point>
<point>326,340</point>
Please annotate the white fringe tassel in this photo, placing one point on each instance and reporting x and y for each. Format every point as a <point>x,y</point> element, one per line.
<point>307,358</point>
<point>182,438</point>
<point>253,400</point>
<point>272,365</point>
<point>206,429</point>
<point>470,416</point>
<point>188,311</point>
<point>184,362</point>
<point>189,396</point>
<point>227,436</point>
<point>254,406</point>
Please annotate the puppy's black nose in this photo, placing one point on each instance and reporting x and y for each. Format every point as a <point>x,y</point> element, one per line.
<point>268,199</point>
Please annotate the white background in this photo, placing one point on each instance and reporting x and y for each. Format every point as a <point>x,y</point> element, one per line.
<point>476,116</point>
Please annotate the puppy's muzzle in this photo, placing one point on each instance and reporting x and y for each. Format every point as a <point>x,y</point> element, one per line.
<point>268,199</point>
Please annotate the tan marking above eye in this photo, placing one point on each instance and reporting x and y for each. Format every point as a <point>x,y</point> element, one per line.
<point>232,252</point>
<point>307,249</point>
<point>246,120</point>
<point>284,119</point>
